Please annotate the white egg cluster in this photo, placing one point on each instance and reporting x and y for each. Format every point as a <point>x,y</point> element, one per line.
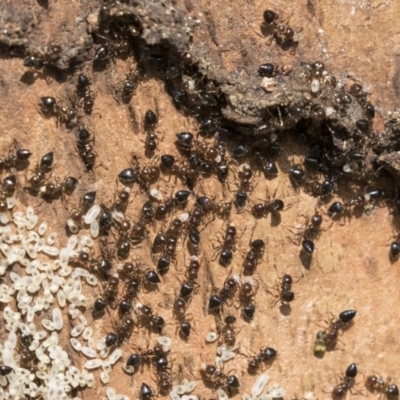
<point>275,392</point>
<point>183,390</point>
<point>43,288</point>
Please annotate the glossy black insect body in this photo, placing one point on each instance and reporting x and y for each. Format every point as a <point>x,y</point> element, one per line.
<point>266,355</point>
<point>376,384</point>
<point>253,256</point>
<point>339,391</point>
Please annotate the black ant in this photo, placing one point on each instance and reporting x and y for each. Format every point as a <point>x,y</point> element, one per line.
<point>311,232</point>
<point>245,177</point>
<point>52,191</point>
<point>74,222</point>
<point>184,142</point>
<point>222,210</point>
<point>253,256</point>
<point>227,331</point>
<point>121,202</point>
<point>327,339</point>
<point>102,265</point>
<point>64,114</point>
<point>168,243</point>
<point>123,331</point>
<point>130,85</point>
<point>216,377</point>
<point>187,172</point>
<point>17,159</point>
<point>132,273</point>
<point>110,292</point>
<point>146,175</point>
<point>85,95</point>
<point>123,244</point>
<point>223,295</point>
<point>179,307</point>
<point>266,355</point>
<point>145,392</point>
<point>378,385</point>
<point>85,147</point>
<point>28,358</point>
<point>247,292</point>
<point>164,380</point>
<point>144,356</point>
<point>228,245</point>
<point>150,122</point>
<point>35,180</point>
<point>192,269</point>
<point>149,320</point>
<point>261,210</point>
<point>51,55</point>
<point>340,391</point>
<point>179,200</point>
<point>8,187</point>
<point>240,200</point>
<point>138,233</point>
<point>285,293</point>
<point>283,34</point>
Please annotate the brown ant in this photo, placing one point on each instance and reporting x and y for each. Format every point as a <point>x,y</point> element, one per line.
<point>376,384</point>
<point>109,298</point>
<point>327,339</point>
<point>347,384</point>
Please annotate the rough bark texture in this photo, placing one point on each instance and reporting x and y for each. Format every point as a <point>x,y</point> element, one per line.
<point>223,43</point>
